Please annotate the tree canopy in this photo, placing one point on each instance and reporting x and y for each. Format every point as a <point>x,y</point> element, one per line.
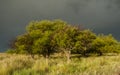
<point>47,37</point>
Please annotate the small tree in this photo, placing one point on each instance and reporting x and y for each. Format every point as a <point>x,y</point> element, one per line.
<point>105,44</point>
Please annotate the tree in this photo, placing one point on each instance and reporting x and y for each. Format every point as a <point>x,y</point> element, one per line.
<point>65,40</point>
<point>47,37</point>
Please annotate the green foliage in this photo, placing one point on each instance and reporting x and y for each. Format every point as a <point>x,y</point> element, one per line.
<point>47,37</point>
<point>105,44</point>
<point>11,51</point>
<point>84,41</point>
<point>65,40</point>
<point>24,44</point>
<point>38,38</point>
<point>42,33</point>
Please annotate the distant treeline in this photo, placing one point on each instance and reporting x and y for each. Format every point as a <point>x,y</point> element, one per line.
<point>47,37</point>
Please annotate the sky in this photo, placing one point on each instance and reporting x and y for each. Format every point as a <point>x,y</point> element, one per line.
<point>101,16</point>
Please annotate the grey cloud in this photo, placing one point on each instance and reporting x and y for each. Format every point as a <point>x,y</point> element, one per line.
<point>113,4</point>
<point>77,5</point>
<point>117,3</point>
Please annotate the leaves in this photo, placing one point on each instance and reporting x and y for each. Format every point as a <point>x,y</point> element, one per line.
<point>46,37</point>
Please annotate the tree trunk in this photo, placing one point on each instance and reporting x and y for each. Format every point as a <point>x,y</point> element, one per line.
<point>100,54</point>
<point>68,53</point>
<point>46,59</point>
<point>84,53</point>
<point>32,55</point>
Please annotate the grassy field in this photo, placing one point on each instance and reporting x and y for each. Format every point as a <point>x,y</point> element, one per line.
<point>25,65</point>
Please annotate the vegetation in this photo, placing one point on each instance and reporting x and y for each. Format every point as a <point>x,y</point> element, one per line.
<point>105,44</point>
<point>48,37</point>
<point>16,64</point>
<point>42,48</point>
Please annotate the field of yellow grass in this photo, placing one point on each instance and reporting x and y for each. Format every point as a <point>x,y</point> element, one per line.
<point>13,64</point>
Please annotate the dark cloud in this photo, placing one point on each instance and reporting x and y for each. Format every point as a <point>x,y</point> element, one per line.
<point>113,4</point>
<point>77,5</point>
<point>98,15</point>
<point>116,3</point>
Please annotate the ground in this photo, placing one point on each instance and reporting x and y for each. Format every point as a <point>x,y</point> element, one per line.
<point>14,64</point>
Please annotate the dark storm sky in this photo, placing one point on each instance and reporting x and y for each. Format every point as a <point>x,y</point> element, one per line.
<point>102,16</point>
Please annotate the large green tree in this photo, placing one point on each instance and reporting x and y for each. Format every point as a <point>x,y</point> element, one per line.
<point>47,37</point>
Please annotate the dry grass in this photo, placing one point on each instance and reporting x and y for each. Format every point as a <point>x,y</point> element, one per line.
<point>25,65</point>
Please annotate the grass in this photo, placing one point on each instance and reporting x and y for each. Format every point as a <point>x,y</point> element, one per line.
<point>12,64</point>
